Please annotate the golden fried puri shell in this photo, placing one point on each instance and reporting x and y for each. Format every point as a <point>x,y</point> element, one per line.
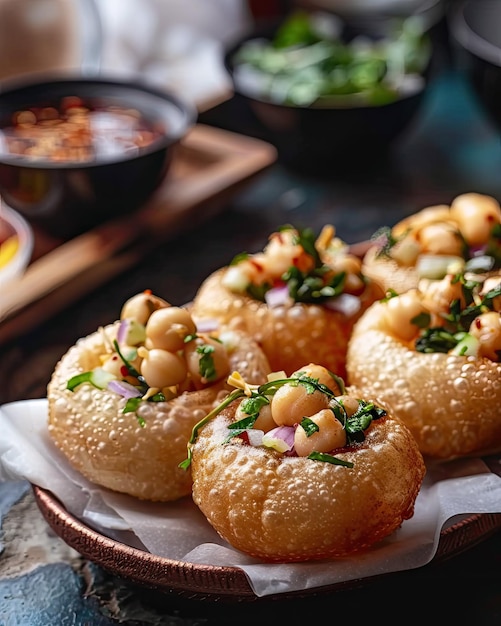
<point>388,273</point>
<point>289,335</point>
<point>110,448</point>
<point>450,403</point>
<point>281,508</point>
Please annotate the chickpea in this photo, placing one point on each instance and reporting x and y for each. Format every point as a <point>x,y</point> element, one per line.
<point>350,404</point>
<point>207,360</point>
<point>428,215</point>
<point>141,306</point>
<point>487,329</point>
<point>324,376</point>
<point>256,270</point>
<point>264,420</point>
<point>115,365</point>
<point>345,263</point>
<point>437,295</point>
<point>352,266</point>
<point>329,436</point>
<point>406,251</point>
<point>476,215</point>
<point>400,310</point>
<point>441,238</point>
<point>167,328</point>
<point>291,403</point>
<point>282,251</point>
<point>161,368</point>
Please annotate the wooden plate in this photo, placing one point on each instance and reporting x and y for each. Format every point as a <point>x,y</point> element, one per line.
<point>209,582</point>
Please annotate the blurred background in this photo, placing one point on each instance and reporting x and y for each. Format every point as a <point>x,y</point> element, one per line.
<point>174,43</point>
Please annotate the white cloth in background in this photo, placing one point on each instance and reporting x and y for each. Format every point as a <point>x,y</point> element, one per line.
<point>176,44</point>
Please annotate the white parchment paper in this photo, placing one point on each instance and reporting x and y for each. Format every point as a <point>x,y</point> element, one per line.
<point>179,530</point>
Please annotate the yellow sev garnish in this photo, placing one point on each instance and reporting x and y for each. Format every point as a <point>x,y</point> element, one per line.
<point>236,380</point>
<point>353,423</point>
<point>325,237</point>
<point>242,388</point>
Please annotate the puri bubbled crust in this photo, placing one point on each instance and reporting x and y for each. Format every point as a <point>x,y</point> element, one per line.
<point>136,453</point>
<point>289,334</point>
<point>449,402</point>
<point>281,508</point>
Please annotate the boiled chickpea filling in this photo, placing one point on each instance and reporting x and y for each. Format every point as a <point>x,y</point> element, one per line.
<point>297,267</point>
<point>446,238</point>
<point>459,314</point>
<point>307,414</point>
<point>157,354</point>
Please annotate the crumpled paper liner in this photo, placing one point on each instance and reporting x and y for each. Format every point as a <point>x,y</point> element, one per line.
<point>179,531</point>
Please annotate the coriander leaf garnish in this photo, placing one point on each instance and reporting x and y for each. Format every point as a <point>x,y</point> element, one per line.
<point>75,381</point>
<point>206,365</point>
<point>457,320</point>
<point>329,458</point>
<point>357,423</point>
<point>317,284</point>
<point>309,426</point>
<point>256,396</point>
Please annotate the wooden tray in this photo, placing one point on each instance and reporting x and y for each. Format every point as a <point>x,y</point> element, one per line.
<point>210,164</point>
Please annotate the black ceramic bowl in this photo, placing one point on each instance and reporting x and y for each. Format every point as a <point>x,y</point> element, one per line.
<point>332,131</point>
<point>475,28</point>
<point>84,151</point>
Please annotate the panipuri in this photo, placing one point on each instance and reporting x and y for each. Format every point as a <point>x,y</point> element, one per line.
<point>300,469</point>
<point>431,356</point>
<point>122,401</point>
<point>299,297</point>
<point>436,241</point>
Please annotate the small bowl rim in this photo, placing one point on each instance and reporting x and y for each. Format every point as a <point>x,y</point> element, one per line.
<point>20,261</point>
<point>186,109</point>
<point>468,38</point>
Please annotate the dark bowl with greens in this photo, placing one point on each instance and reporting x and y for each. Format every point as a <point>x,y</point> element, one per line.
<point>327,93</point>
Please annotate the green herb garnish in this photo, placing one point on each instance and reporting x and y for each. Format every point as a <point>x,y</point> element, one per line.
<point>260,395</point>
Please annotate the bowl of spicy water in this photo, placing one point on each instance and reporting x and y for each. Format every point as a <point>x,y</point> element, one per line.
<point>77,152</point>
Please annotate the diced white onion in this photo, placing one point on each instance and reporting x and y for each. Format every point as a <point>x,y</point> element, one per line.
<point>280,438</point>
<point>277,296</point>
<point>345,303</point>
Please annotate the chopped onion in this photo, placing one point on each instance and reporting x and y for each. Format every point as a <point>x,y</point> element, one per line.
<point>206,325</point>
<point>123,389</point>
<point>478,250</point>
<point>280,438</point>
<point>480,263</point>
<point>436,266</point>
<point>254,436</point>
<point>130,332</point>
<point>345,303</point>
<point>123,329</point>
<point>277,296</point>
<point>101,378</point>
